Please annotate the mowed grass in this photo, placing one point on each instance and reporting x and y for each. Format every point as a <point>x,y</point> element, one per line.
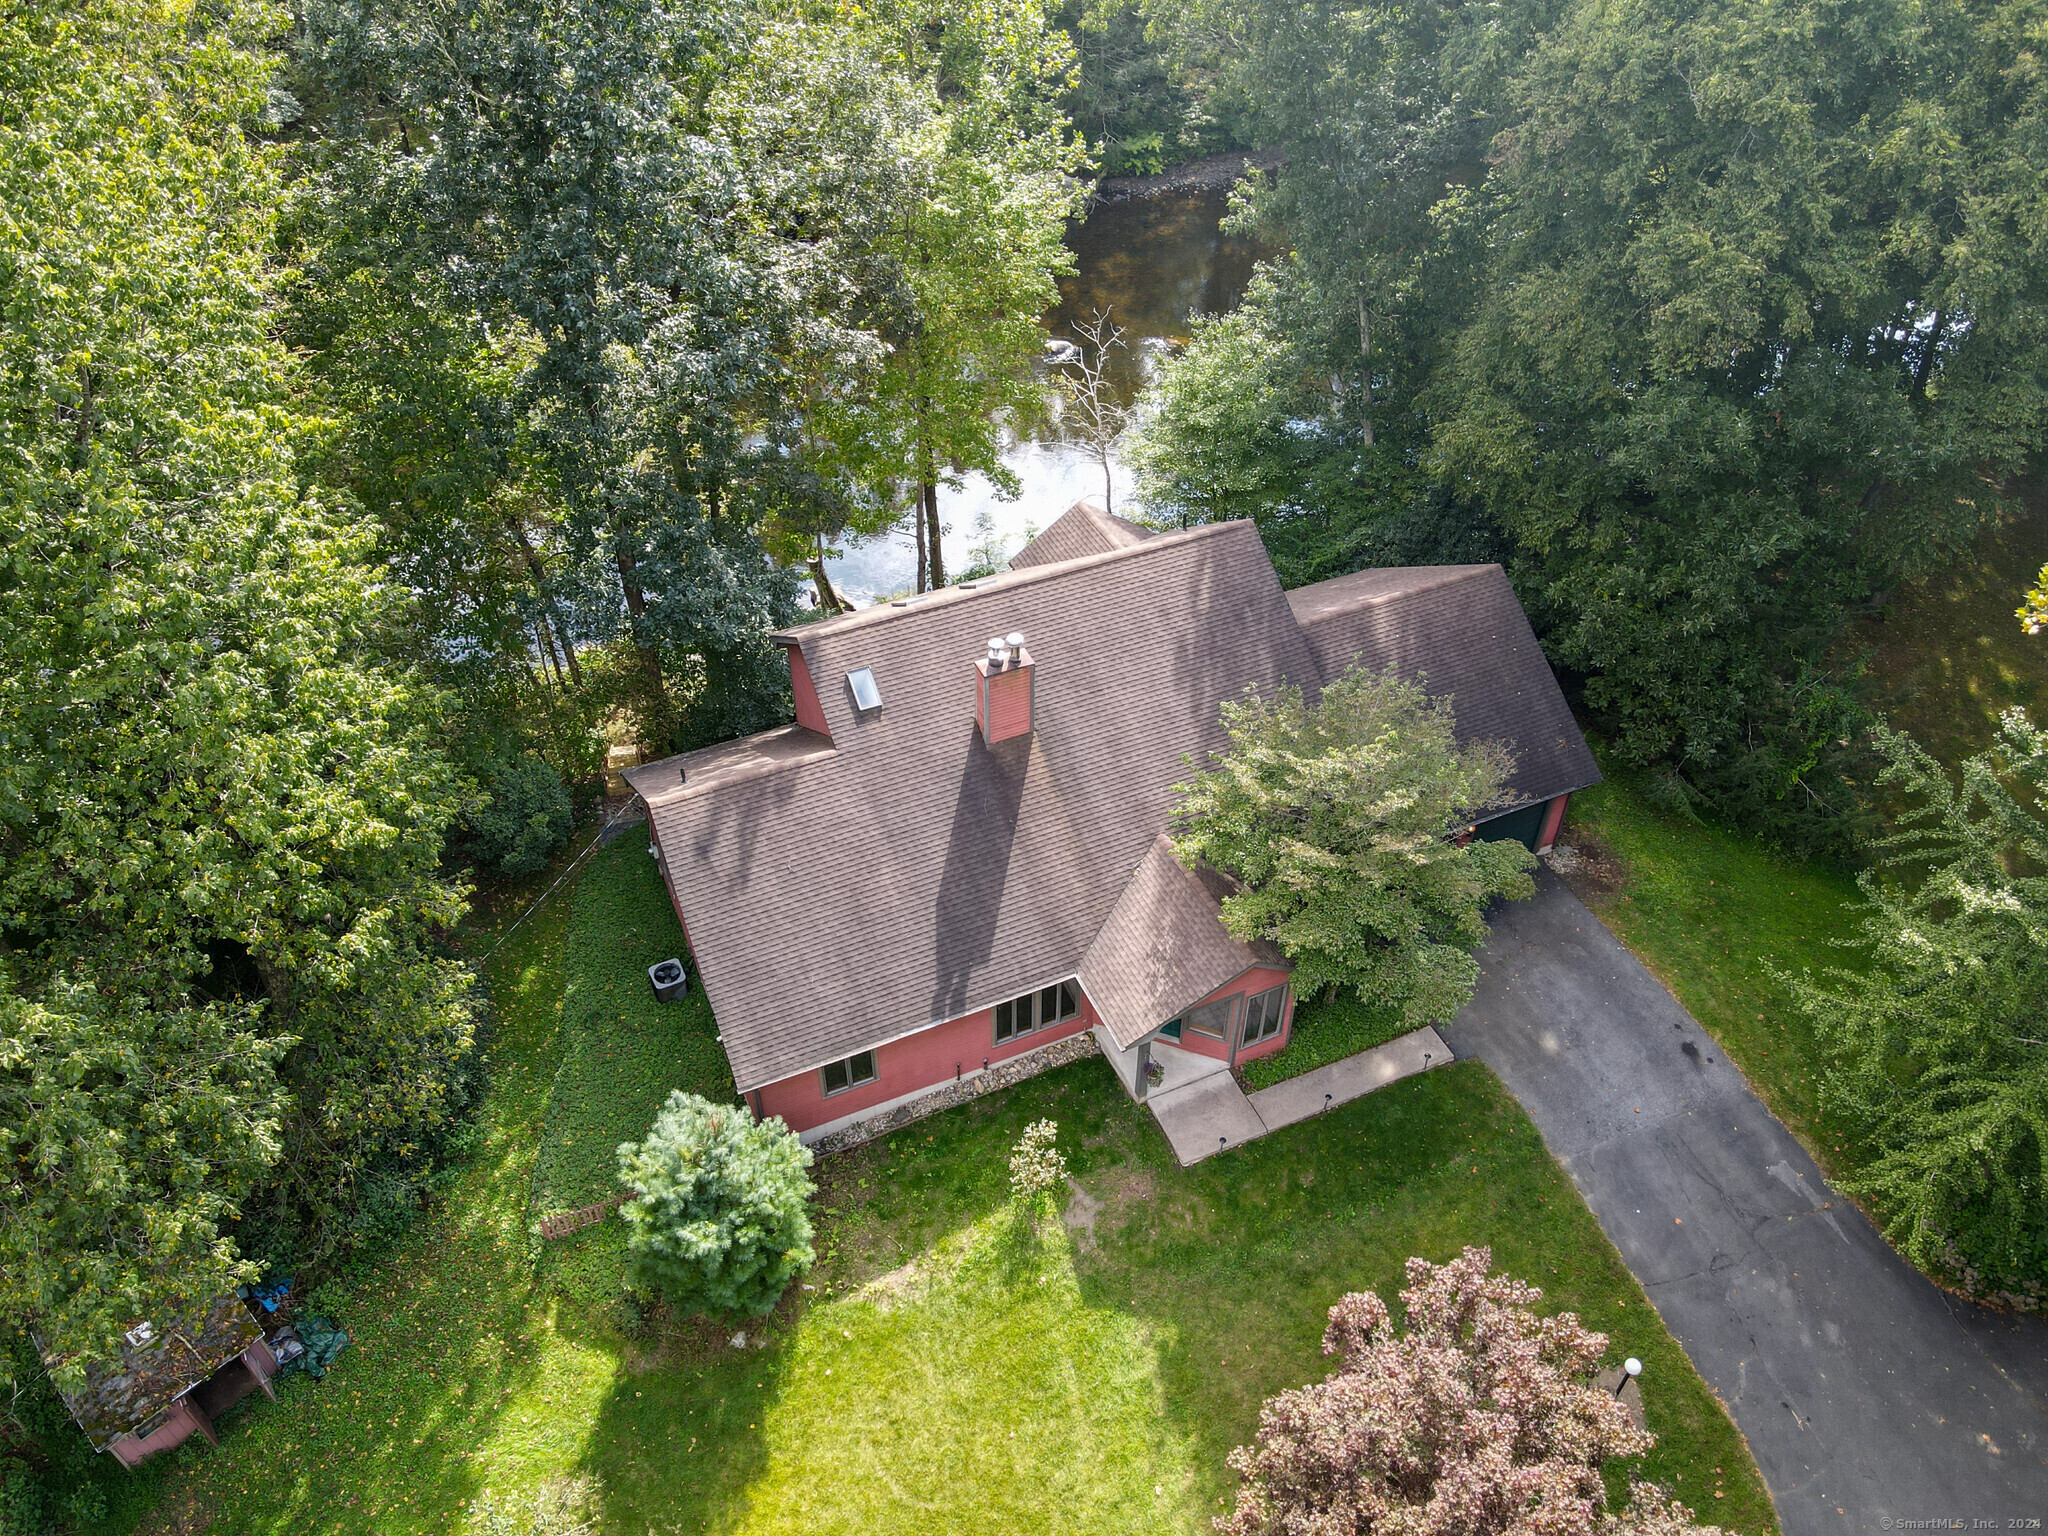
<point>622,1052</point>
<point>1326,1031</point>
<point>1217,1278</point>
<point>952,1370</point>
<point>1714,913</point>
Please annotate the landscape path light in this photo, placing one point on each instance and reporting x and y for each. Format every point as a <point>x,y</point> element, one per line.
<point>1631,1368</point>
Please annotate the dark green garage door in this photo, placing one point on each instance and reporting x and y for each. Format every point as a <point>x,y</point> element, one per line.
<point>1524,826</point>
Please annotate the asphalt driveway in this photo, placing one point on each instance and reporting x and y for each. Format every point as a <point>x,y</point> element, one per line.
<point>1871,1399</point>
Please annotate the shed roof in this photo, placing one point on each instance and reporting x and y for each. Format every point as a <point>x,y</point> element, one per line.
<point>1083,529</point>
<point>1459,631</point>
<point>131,1394</point>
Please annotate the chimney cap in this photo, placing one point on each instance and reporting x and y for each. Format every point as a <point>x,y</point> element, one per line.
<point>1014,639</point>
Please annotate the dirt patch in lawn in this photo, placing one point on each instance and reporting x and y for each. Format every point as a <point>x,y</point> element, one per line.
<point>1108,1205</point>
<point>1080,1217</point>
<point>1589,866</point>
<point>903,1286</point>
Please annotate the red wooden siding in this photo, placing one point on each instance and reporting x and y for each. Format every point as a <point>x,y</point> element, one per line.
<point>1250,983</point>
<point>927,1059</point>
<point>1553,822</point>
<point>810,714</point>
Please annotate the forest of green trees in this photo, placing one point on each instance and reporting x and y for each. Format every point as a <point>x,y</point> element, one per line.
<point>395,394</point>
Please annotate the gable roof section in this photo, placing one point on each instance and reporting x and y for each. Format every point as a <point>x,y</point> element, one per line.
<point>1458,630</point>
<point>131,1395</point>
<point>1163,947</point>
<point>1083,529</point>
<point>845,894</point>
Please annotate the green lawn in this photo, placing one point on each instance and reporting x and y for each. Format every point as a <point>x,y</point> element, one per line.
<point>1710,912</point>
<point>950,1372</point>
<point>622,1052</point>
<point>1325,1032</point>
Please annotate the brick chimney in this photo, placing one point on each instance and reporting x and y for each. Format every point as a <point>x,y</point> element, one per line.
<point>1002,689</point>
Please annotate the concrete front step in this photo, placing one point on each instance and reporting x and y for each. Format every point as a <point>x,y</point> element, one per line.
<point>1205,1117</point>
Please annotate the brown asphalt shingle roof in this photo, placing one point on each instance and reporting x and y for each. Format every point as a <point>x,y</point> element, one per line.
<point>1459,630</point>
<point>912,873</point>
<point>1083,529</point>
<point>843,893</point>
<point>1163,947</point>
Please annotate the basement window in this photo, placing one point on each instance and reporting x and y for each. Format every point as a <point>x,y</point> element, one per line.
<point>850,1073</point>
<point>866,695</point>
<point>1036,1010</point>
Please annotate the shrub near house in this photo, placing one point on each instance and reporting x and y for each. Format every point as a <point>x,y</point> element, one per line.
<point>717,1221</point>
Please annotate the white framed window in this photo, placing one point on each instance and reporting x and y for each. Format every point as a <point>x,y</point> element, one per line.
<point>1036,1010</point>
<point>861,682</point>
<point>1262,1016</point>
<point>850,1073</point>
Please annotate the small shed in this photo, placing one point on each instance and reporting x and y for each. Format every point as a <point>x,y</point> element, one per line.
<point>174,1377</point>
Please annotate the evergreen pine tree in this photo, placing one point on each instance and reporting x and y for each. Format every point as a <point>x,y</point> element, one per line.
<point>1937,1047</point>
<point>717,1222</point>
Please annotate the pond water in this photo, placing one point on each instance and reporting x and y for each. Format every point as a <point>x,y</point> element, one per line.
<point>1152,264</point>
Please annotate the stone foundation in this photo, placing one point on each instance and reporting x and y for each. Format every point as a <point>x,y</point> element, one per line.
<point>1004,1074</point>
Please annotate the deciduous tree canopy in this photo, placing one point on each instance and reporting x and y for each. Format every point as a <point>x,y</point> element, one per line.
<point>1480,1420</point>
<point>220,813</point>
<point>1725,318</point>
<point>1342,819</point>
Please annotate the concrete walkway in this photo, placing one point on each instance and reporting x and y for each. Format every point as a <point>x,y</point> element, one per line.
<point>1203,1111</point>
<point>1868,1396</point>
<point>1206,1116</point>
<point>1352,1078</point>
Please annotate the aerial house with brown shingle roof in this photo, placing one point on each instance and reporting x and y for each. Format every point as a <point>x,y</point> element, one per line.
<point>955,855</point>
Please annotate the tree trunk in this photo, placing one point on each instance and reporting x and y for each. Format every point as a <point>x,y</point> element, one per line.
<point>1365,368</point>
<point>828,600</point>
<point>540,585</point>
<point>544,651</point>
<point>1102,452</point>
<point>935,561</point>
<point>1924,370</point>
<point>917,524</point>
<point>636,605</point>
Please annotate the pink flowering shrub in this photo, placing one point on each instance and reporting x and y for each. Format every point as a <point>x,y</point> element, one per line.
<point>1480,1420</point>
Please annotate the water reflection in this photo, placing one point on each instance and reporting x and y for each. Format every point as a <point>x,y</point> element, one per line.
<point>1152,265</point>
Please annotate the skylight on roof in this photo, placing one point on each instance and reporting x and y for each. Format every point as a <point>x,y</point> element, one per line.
<point>865,694</point>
